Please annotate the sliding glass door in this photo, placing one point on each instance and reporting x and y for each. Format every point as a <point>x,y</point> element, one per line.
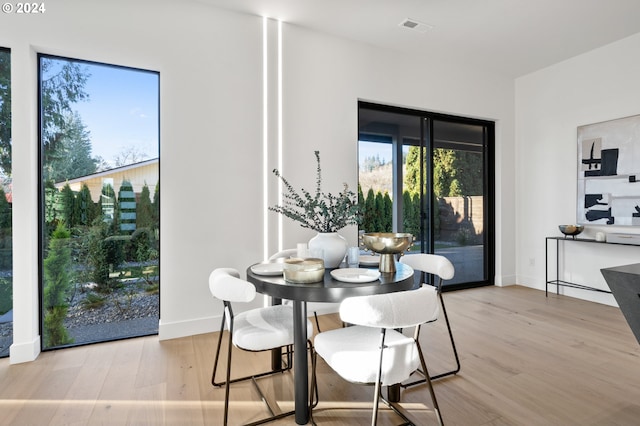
<point>462,217</point>
<point>430,175</point>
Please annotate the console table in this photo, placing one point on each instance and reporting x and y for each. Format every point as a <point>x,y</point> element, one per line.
<point>557,281</point>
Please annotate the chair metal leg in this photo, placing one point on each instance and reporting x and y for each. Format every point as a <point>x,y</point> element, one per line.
<point>312,404</point>
<point>254,376</point>
<point>314,381</point>
<point>315,315</point>
<point>436,408</point>
<point>376,392</point>
<point>314,385</point>
<point>228,381</point>
<point>453,346</point>
<point>215,363</point>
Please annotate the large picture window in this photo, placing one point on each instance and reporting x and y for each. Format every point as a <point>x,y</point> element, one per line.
<point>99,154</point>
<point>6,246</point>
<point>430,175</point>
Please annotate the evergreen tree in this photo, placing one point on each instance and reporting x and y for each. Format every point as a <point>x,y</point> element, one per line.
<point>5,111</point>
<point>126,208</point>
<point>369,211</point>
<point>378,220</point>
<point>372,163</point>
<point>72,156</point>
<point>443,172</point>
<point>62,85</point>
<point>387,213</point>
<point>139,247</point>
<point>6,243</point>
<point>67,201</point>
<point>156,207</point>
<point>361,207</point>
<point>412,170</point>
<point>144,210</point>
<point>411,213</point>
<point>469,174</point>
<point>105,252</point>
<point>5,212</point>
<point>87,208</point>
<point>56,285</point>
<point>455,173</point>
<point>98,257</point>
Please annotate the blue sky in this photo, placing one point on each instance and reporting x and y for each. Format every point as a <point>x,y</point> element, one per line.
<point>373,149</point>
<point>122,111</point>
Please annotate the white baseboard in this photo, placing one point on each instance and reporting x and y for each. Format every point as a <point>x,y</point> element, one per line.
<point>24,352</point>
<point>503,281</point>
<point>174,330</point>
<point>322,308</point>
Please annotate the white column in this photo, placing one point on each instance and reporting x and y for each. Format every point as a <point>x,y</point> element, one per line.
<point>24,110</point>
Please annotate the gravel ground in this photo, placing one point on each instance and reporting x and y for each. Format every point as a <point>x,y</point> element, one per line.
<point>125,314</point>
<point>5,338</point>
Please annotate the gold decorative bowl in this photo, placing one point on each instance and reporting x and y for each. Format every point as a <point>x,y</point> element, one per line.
<point>571,230</point>
<point>387,244</point>
<point>303,271</point>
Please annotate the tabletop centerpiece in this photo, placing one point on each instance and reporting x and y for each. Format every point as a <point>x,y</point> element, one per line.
<point>325,213</point>
<point>387,244</point>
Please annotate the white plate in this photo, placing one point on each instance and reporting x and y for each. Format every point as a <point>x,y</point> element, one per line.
<point>369,260</point>
<point>355,275</point>
<point>268,268</point>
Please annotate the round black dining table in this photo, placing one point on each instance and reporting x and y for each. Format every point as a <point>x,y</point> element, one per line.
<point>327,290</point>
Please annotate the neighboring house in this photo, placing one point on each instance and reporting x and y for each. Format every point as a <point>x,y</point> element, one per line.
<point>139,174</point>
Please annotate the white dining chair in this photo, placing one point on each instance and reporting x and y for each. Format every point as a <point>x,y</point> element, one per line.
<point>287,253</point>
<point>255,330</point>
<point>372,351</point>
<point>442,269</point>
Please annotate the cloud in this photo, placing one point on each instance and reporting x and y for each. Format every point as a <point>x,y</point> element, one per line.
<point>137,112</point>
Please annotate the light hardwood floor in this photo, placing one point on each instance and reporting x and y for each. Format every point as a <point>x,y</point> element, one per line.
<point>526,360</point>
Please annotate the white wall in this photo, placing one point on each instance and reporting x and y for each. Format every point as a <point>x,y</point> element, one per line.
<point>324,77</point>
<point>550,104</point>
<point>212,171</point>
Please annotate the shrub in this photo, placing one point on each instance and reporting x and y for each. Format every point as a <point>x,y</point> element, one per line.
<point>139,247</point>
<point>56,284</point>
<point>93,301</point>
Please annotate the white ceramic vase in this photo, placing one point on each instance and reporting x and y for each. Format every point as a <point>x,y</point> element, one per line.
<point>333,246</point>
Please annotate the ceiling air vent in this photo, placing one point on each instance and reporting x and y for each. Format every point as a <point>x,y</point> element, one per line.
<point>412,24</point>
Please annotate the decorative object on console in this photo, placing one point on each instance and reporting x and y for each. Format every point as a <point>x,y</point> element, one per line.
<point>571,230</point>
<point>325,213</point>
<point>629,239</point>
<point>387,244</point>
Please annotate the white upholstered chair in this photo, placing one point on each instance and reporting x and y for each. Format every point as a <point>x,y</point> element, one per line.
<point>442,269</point>
<point>372,351</point>
<point>260,329</point>
<point>284,253</point>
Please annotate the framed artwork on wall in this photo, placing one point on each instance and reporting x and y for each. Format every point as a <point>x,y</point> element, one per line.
<point>609,172</point>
